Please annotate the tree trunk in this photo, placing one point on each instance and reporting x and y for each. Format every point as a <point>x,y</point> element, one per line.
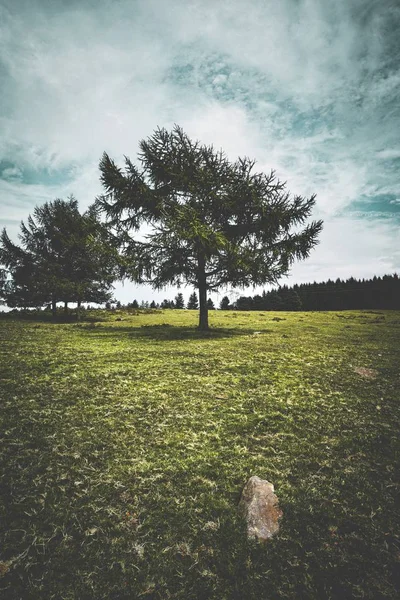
<point>65,308</point>
<point>78,311</point>
<point>203,313</point>
<point>54,308</point>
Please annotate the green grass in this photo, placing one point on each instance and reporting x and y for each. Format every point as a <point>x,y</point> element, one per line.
<point>126,444</point>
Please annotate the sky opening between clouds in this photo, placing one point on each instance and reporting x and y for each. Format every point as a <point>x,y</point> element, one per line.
<point>310,88</point>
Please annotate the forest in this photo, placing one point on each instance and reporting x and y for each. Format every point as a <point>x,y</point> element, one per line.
<point>350,294</point>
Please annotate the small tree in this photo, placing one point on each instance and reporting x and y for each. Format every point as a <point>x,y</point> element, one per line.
<point>210,304</point>
<point>225,303</point>
<point>212,222</point>
<point>179,301</point>
<point>193,303</point>
<point>167,304</point>
<point>244,303</point>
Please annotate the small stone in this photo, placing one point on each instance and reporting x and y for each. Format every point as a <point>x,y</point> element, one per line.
<point>4,568</point>
<point>260,508</point>
<point>366,373</point>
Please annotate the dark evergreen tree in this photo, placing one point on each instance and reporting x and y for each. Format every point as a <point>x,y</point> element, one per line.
<point>193,303</point>
<point>167,304</point>
<point>244,303</point>
<point>275,301</point>
<point>296,303</point>
<point>258,302</point>
<point>210,304</point>
<point>377,293</point>
<point>290,299</point>
<point>3,280</point>
<point>21,283</point>
<point>179,301</point>
<point>225,303</point>
<point>64,256</point>
<point>213,222</point>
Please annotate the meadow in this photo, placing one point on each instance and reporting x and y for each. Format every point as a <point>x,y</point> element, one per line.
<point>126,441</point>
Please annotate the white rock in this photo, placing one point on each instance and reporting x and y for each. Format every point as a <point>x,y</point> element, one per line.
<point>260,508</point>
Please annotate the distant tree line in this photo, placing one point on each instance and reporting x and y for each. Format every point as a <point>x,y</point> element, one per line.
<point>177,303</point>
<point>376,293</point>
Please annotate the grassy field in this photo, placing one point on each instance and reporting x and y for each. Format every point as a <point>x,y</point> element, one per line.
<point>125,445</point>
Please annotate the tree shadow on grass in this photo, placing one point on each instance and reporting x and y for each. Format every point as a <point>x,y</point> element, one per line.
<point>166,332</point>
<point>45,316</point>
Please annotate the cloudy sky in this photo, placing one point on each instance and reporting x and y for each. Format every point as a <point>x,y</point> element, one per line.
<point>310,88</point>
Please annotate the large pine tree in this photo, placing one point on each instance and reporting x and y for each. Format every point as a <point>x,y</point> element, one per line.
<point>210,222</point>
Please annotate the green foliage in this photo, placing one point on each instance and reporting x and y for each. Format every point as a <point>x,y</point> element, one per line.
<point>165,304</point>
<point>3,279</point>
<point>126,444</point>
<point>64,256</point>
<point>376,293</point>
<point>179,301</point>
<point>23,283</point>
<point>244,303</point>
<point>210,304</point>
<point>212,222</point>
<point>193,302</point>
<point>274,301</point>
<point>225,303</point>
<point>290,299</point>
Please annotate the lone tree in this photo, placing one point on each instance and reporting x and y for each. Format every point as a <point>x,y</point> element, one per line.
<point>225,303</point>
<point>179,301</point>
<point>210,222</point>
<point>210,304</point>
<point>193,303</point>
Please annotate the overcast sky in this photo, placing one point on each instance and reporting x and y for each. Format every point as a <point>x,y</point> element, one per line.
<point>310,88</point>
